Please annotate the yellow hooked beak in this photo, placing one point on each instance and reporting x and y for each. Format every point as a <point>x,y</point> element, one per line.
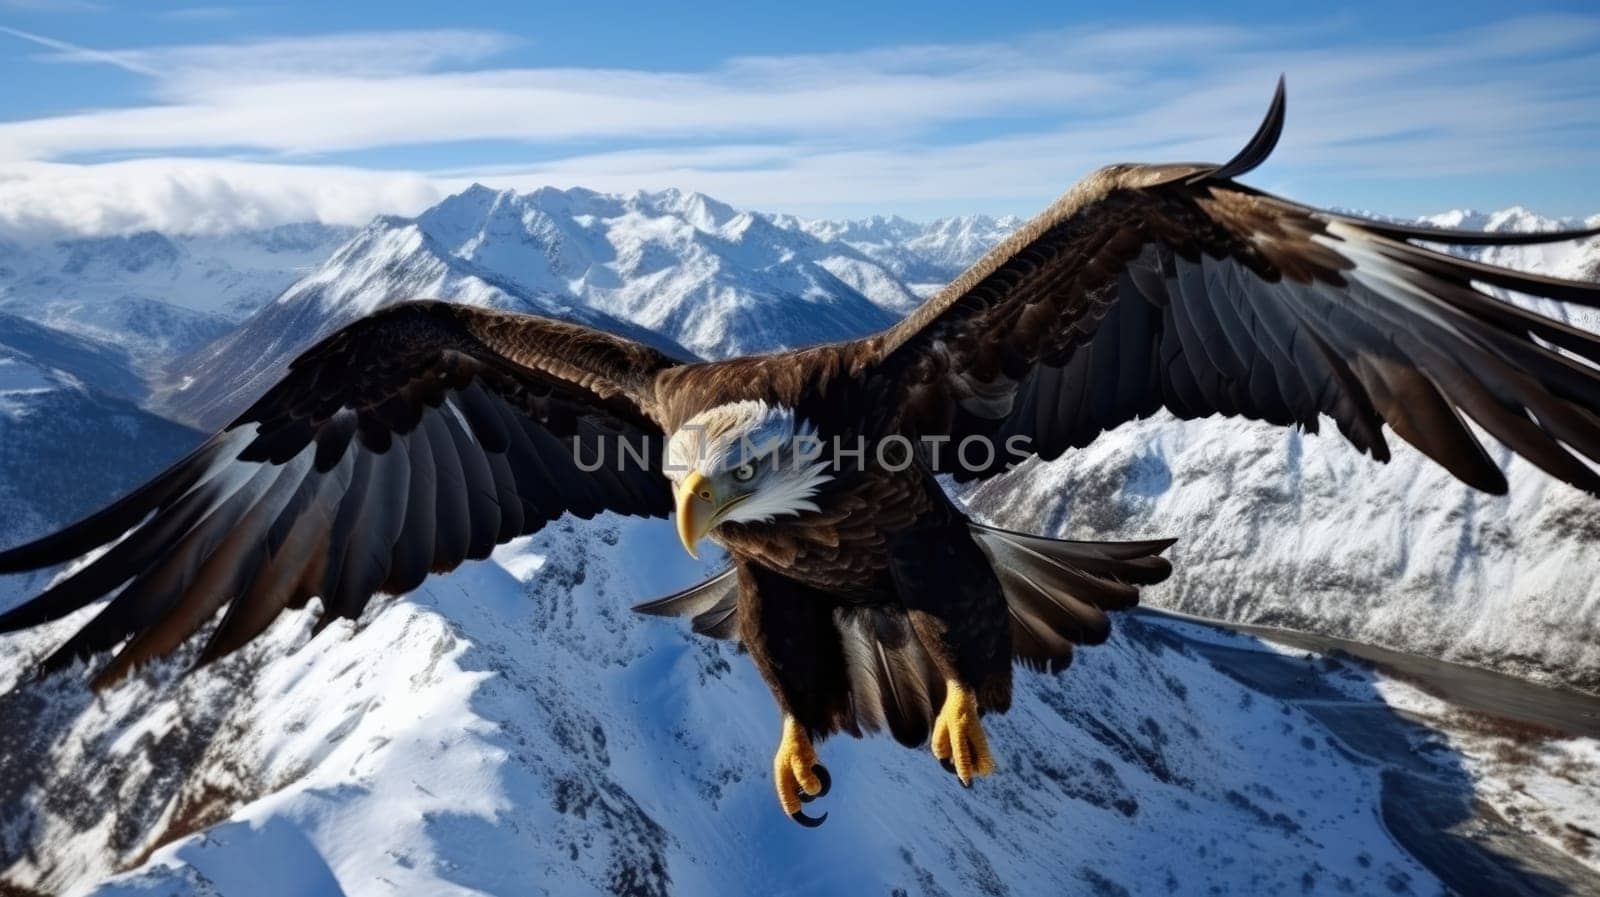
<point>699,509</point>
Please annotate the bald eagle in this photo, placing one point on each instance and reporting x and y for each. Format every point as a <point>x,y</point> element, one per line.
<point>426,433</point>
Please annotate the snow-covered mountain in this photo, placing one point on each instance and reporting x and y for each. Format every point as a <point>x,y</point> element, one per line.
<point>66,446</point>
<point>1580,261</point>
<point>156,295</point>
<point>512,728</point>
<point>69,358</point>
<point>924,255</point>
<point>1283,529</point>
<point>677,269</point>
<point>715,279</point>
<point>71,436</point>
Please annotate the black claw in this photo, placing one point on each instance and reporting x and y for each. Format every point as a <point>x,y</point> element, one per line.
<point>950,767</point>
<point>808,821</point>
<point>824,782</point>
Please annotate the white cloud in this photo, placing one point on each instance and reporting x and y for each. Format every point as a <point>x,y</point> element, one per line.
<point>41,199</point>
<point>358,91</point>
<point>892,125</point>
<point>315,112</point>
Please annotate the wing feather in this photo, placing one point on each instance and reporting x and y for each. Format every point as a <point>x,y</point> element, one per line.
<point>1151,286</point>
<point>405,443</point>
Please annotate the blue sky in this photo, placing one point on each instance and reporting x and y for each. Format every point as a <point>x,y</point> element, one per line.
<point>194,117</point>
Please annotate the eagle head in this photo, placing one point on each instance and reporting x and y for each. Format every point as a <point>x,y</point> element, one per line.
<point>748,462</point>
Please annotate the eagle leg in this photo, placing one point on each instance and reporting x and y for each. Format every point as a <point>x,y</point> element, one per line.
<point>958,739</point>
<point>797,775</point>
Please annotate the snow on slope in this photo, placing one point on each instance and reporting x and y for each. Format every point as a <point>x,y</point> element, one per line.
<point>1303,532</point>
<point>925,255</point>
<point>66,448</point>
<point>513,728</point>
<point>391,260</point>
<point>717,280</point>
<point>106,368</point>
<point>157,295</point>
<point>681,270</point>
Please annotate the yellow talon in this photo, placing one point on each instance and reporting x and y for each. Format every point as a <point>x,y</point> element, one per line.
<point>795,771</point>
<point>958,737</point>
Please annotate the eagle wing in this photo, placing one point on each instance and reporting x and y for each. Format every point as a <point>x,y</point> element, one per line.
<point>403,444</point>
<point>1172,286</point>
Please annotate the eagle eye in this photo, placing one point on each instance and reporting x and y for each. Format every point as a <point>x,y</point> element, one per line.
<point>744,473</point>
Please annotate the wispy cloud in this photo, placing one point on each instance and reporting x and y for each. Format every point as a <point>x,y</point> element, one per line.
<point>205,13</point>
<point>200,69</point>
<point>124,61</point>
<point>980,121</point>
<point>53,5</point>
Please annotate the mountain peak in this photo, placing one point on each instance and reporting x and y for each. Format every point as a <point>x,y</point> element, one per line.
<point>133,253</point>
<point>1519,218</point>
<point>459,212</point>
<point>682,264</point>
<point>697,209</point>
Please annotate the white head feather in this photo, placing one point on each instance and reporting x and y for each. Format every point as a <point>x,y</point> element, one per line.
<point>783,451</point>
